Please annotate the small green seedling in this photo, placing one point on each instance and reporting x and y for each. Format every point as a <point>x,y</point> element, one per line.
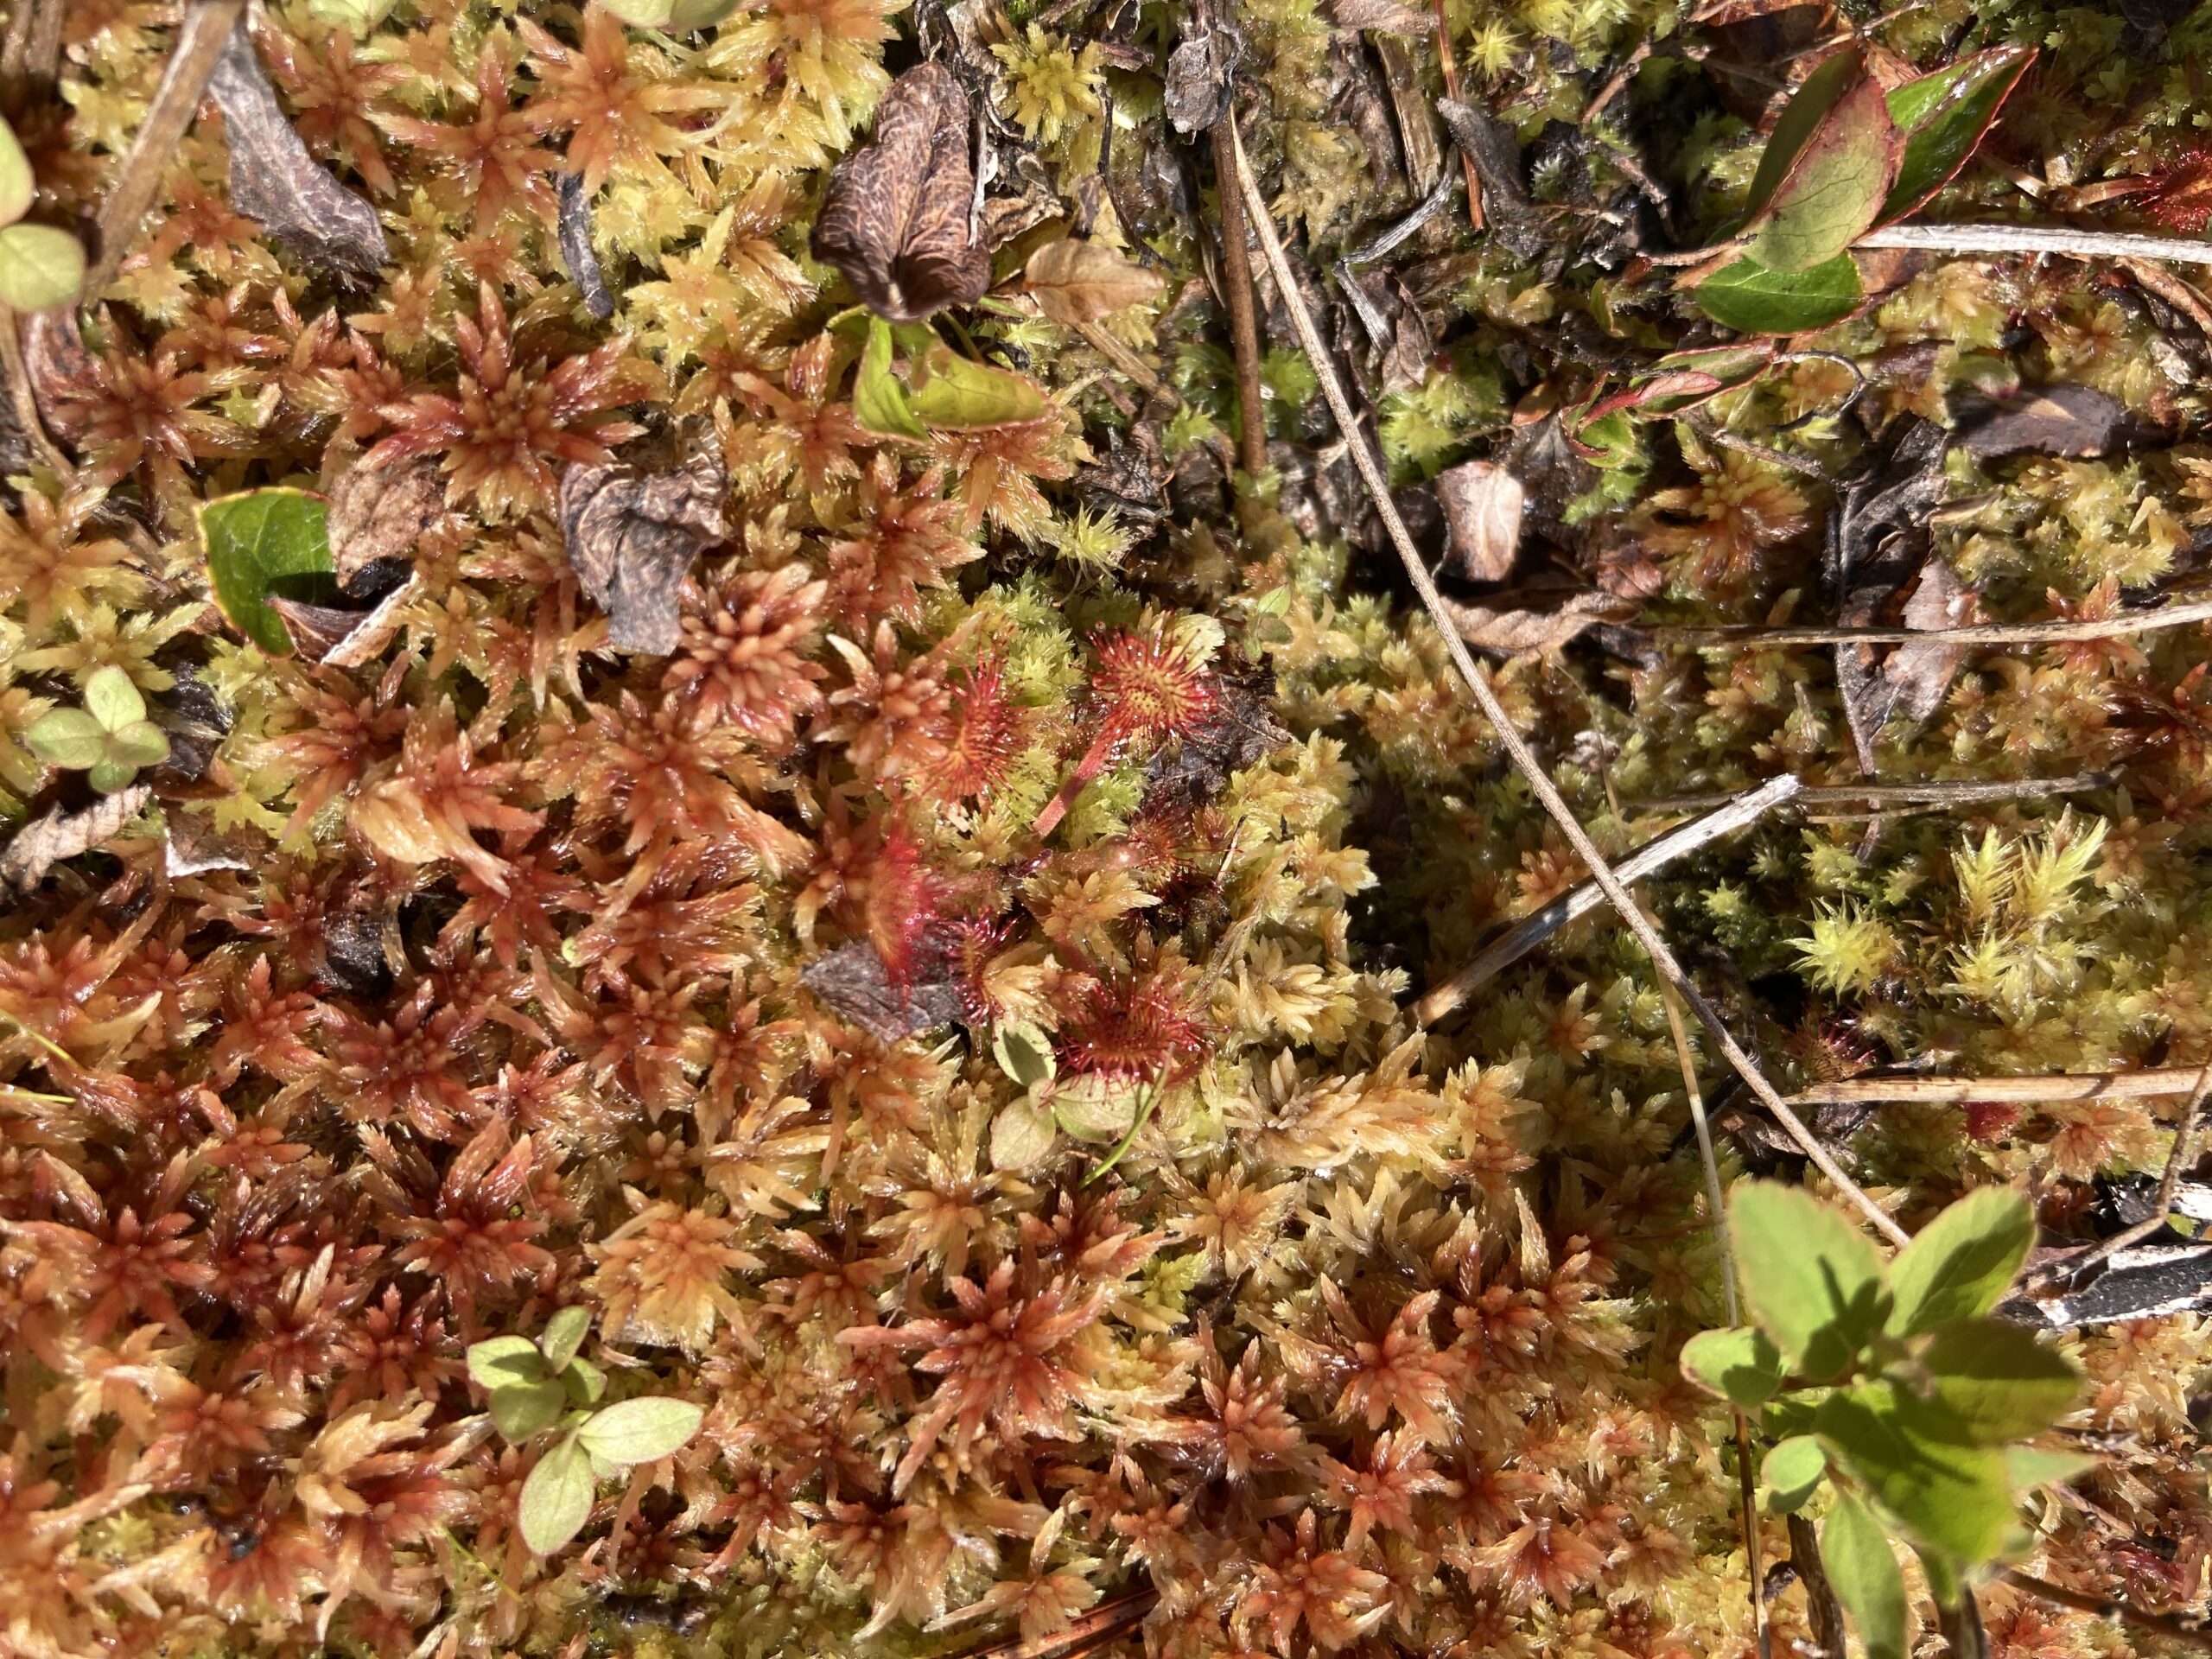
<point>1098,1110</point>
<point>535,1386</point>
<point>110,738</point>
<point>1893,1386</point>
<point>40,265</point>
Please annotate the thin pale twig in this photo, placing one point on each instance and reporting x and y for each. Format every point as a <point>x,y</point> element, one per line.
<point>2000,633</point>
<point>2080,1085</point>
<point>1243,317</point>
<point>1739,812</point>
<point>1450,66</point>
<point>1961,792</point>
<point>2038,238</point>
<point>2182,1154</point>
<point>1516,748</point>
<point>200,41</point>
<point>1101,1624</point>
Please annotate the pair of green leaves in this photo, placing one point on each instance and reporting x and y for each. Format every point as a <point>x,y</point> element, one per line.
<point>534,1386</point>
<point>1845,157</point>
<point>40,265</point>
<point>1895,1378</point>
<point>942,391</point>
<point>265,545</point>
<point>110,738</point>
<point>1090,1109</point>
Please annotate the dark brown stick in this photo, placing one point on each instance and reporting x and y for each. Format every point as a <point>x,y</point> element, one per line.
<point>1244,318</point>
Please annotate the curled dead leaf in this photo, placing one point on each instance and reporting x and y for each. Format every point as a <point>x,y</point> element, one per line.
<point>381,514</point>
<point>632,536</point>
<point>1078,283</point>
<point>1522,633</point>
<point>854,982</point>
<point>577,251</point>
<point>39,846</point>
<point>896,219</point>
<point>1483,504</point>
<point>274,179</point>
<point>2065,419</point>
<point>1199,77</point>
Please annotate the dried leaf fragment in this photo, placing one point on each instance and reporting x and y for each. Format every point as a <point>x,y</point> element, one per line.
<point>1522,632</point>
<point>1078,283</point>
<point>1386,14</point>
<point>1483,504</point>
<point>381,514</point>
<point>39,846</point>
<point>2067,419</point>
<point>897,218</point>
<point>274,179</point>
<point>853,980</point>
<point>1198,78</point>
<point>577,251</point>
<point>632,536</point>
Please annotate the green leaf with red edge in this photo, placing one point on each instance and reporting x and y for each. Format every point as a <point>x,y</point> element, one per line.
<point>1754,299</point>
<point>1801,116</point>
<point>1835,185</point>
<point>1943,117</point>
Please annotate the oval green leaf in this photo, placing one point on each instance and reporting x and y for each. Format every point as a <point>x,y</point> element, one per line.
<point>1962,1263</point>
<point>1024,1053</point>
<point>1791,1472</point>
<point>497,1361</point>
<point>141,743</point>
<point>110,775</point>
<point>639,1431</point>
<point>1943,117</point>
<point>68,737</point>
<point>1835,187</point>
<point>41,267</point>
<point>112,698</point>
<point>564,1336</point>
<point>1022,1135</point>
<point>1740,1364</point>
<point>1830,82</point>
<point>1812,1280</point>
<point>584,1381</point>
<point>879,399</point>
<point>522,1409</point>
<point>1755,299</point>
<point>1997,1380</point>
<point>951,392</point>
<point>264,543</point>
<point>1864,1574</point>
<point>1946,1495</point>
<point>557,1498</point>
<point>17,187</point>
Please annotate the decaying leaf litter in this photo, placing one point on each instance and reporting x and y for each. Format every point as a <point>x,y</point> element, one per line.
<point>781,704</point>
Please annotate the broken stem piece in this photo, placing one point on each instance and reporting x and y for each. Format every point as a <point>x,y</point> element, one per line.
<point>1451,68</point>
<point>201,41</point>
<point>1244,318</point>
<point>2077,1085</point>
<point>22,403</point>
<point>2013,633</point>
<point>2037,239</point>
<point>1524,760</point>
<point>2119,1613</point>
<point>1532,931</point>
<point>1960,793</point>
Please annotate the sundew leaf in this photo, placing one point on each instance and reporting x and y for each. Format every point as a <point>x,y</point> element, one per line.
<point>1943,116</point>
<point>1856,1556</point>
<point>1997,1380</point>
<point>879,399</point>
<point>41,266</point>
<point>1835,187</point>
<point>1740,1364</point>
<point>1949,1495</point>
<point>953,393</point>
<point>264,541</point>
<point>639,1431</point>
<point>1755,299</point>
<point>557,1498</point>
<point>1961,1264</point>
<point>1813,1282</point>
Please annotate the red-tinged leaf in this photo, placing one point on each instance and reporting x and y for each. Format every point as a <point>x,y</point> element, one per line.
<point>1943,117</point>
<point>1754,299</point>
<point>1835,185</point>
<point>1801,116</point>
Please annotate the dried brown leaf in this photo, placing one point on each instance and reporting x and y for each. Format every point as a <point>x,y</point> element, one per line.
<point>577,251</point>
<point>2061,420</point>
<point>275,180</point>
<point>381,514</point>
<point>1386,14</point>
<point>1483,504</point>
<point>1524,632</point>
<point>896,219</point>
<point>854,982</point>
<point>1079,282</point>
<point>39,846</point>
<point>632,536</point>
<point>1198,78</point>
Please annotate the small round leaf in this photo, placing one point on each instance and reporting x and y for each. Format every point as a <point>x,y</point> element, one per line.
<point>564,1336</point>
<point>1791,1472</point>
<point>1740,1364</point>
<point>141,743</point>
<point>1024,1053</point>
<point>1022,1136</point>
<point>109,776</point>
<point>41,267</point>
<point>584,1381</point>
<point>639,1431</point>
<point>112,699</point>
<point>557,1498</point>
<point>68,737</point>
<point>522,1409</point>
<point>497,1361</point>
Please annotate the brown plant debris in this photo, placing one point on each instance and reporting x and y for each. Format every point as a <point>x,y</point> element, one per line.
<point>380,513</point>
<point>2066,419</point>
<point>63,834</point>
<point>632,536</point>
<point>1078,283</point>
<point>897,218</point>
<point>1482,503</point>
<point>274,179</point>
<point>577,249</point>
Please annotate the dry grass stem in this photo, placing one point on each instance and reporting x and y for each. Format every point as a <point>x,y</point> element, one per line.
<point>2038,238</point>
<point>2150,1084</point>
<point>2015,633</point>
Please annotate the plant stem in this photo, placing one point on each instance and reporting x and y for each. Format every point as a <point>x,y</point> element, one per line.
<point>1516,748</point>
<point>201,41</point>
<point>2034,1091</point>
<point>1739,812</point>
<point>1243,318</point>
<point>1450,68</point>
<point>2000,633</point>
<point>2181,1629</point>
<point>1956,793</point>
